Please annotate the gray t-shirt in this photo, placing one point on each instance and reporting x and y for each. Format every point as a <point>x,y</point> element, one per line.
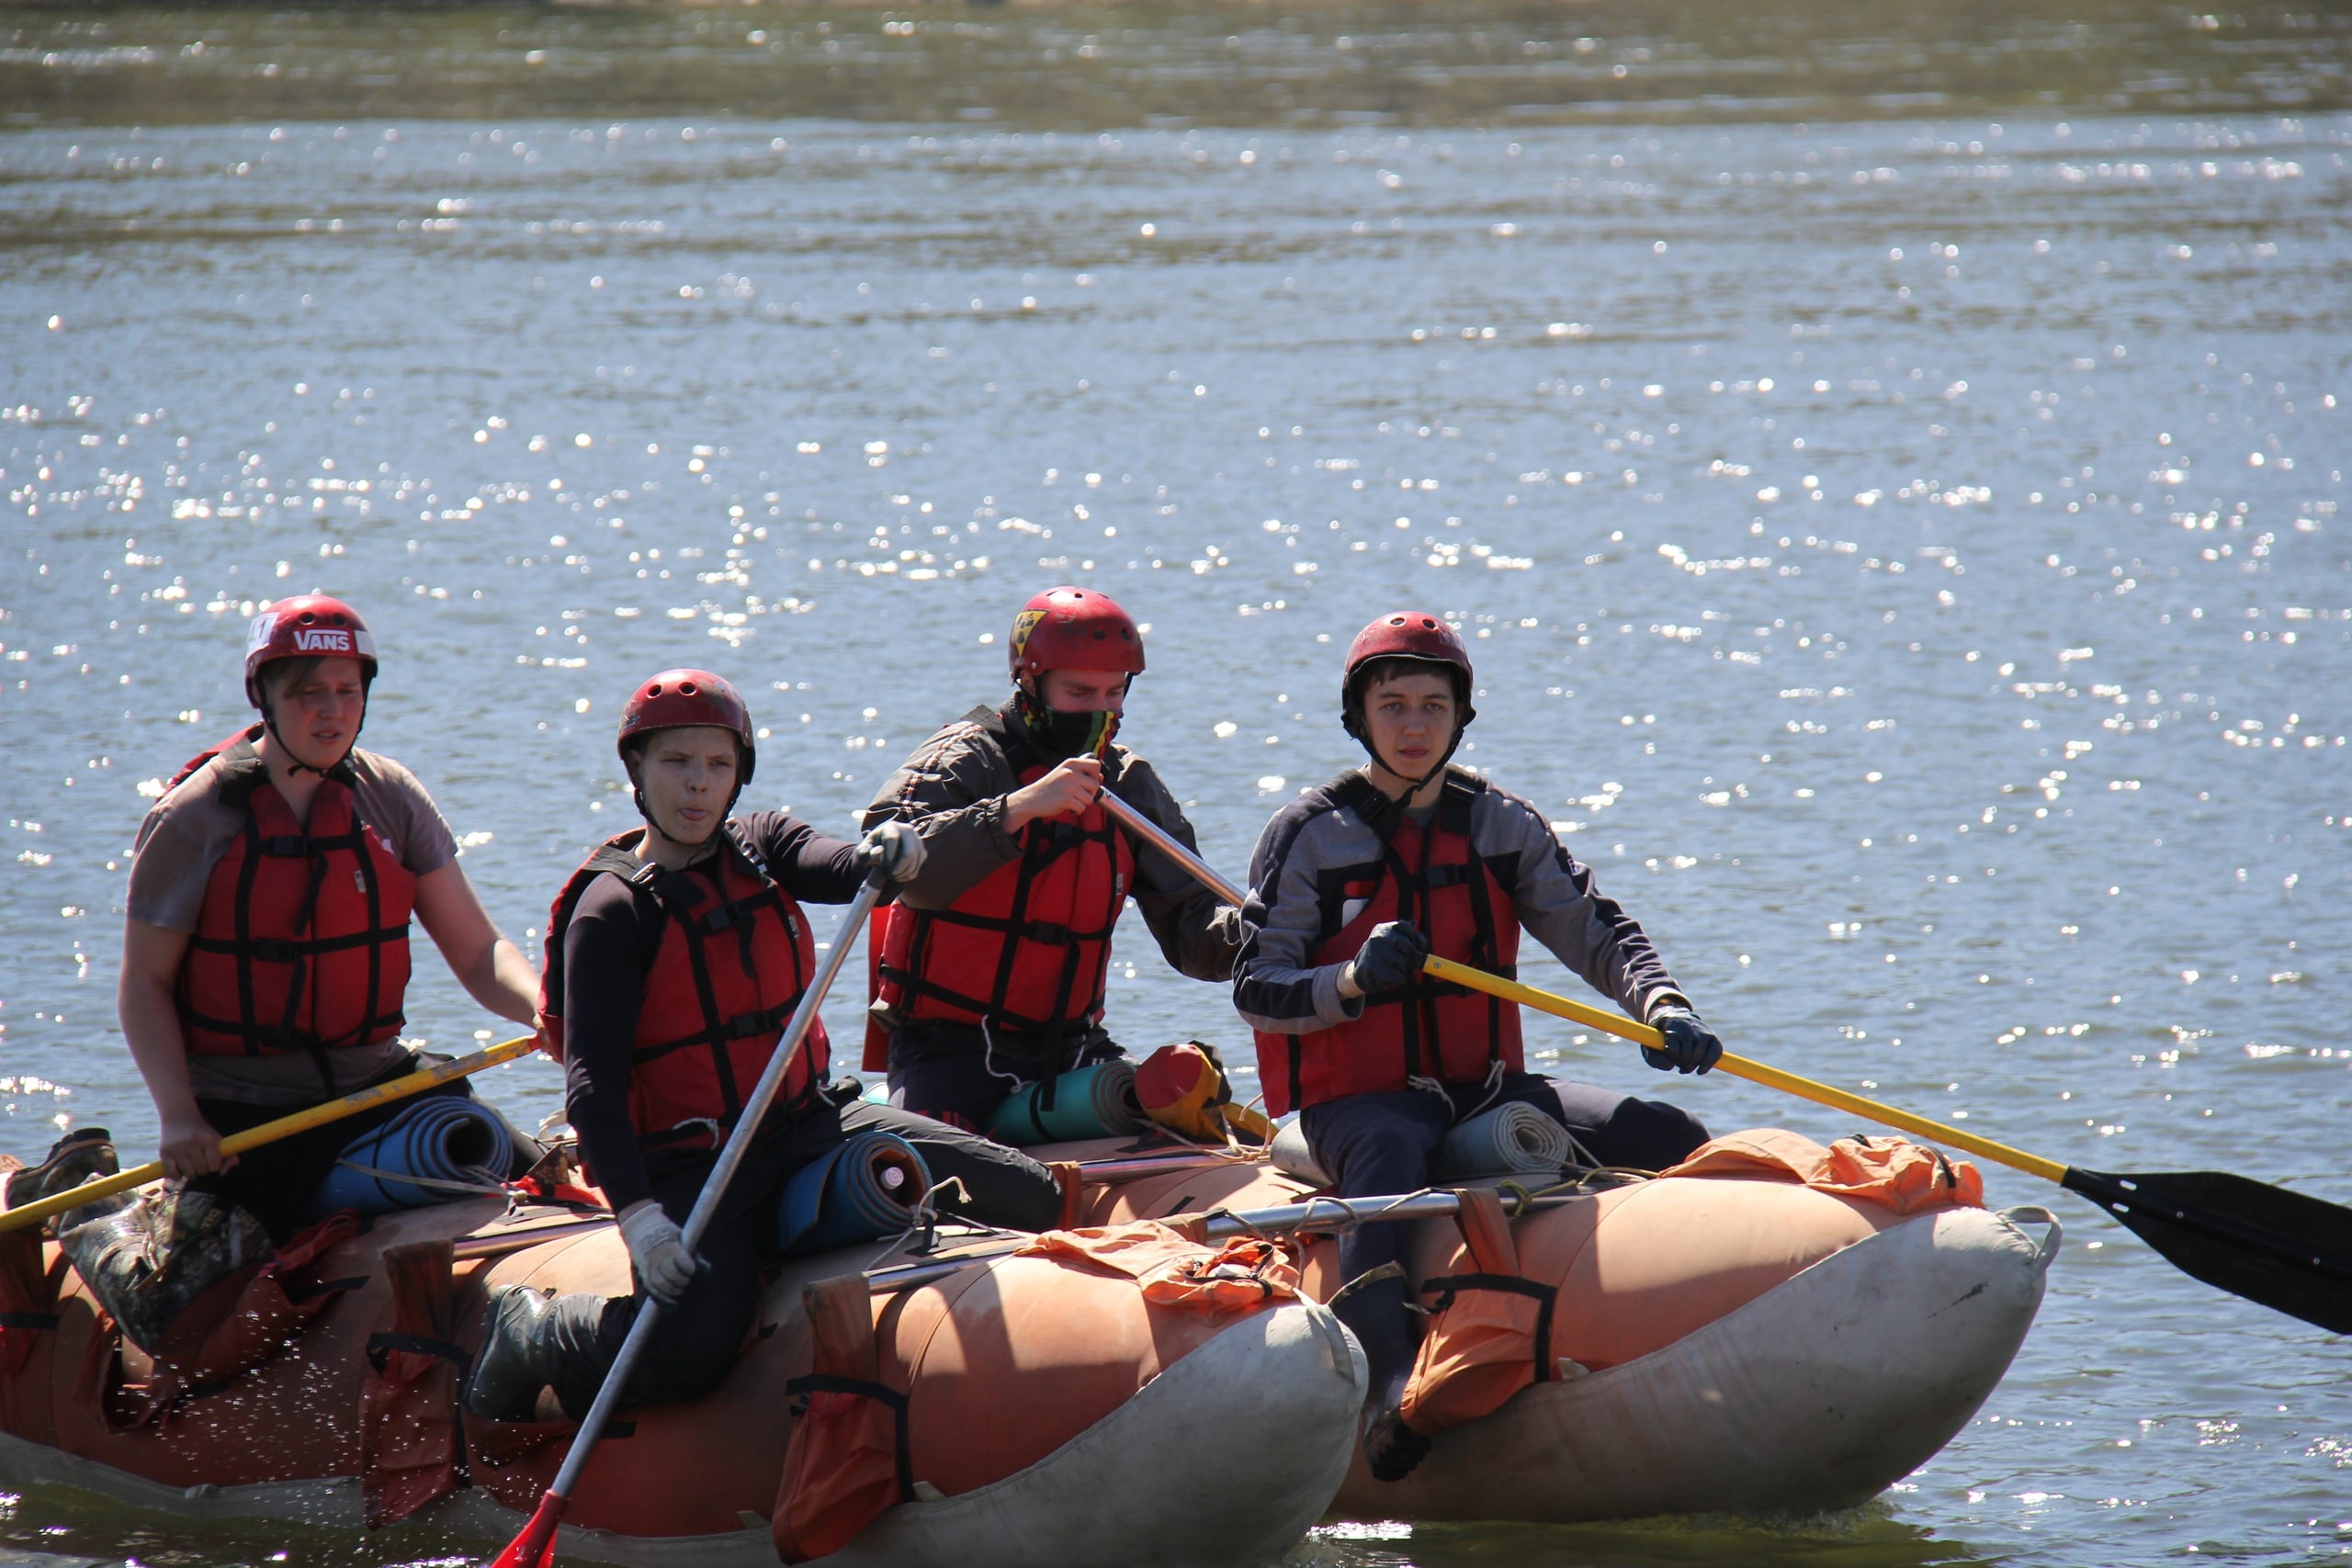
<point>183,837</point>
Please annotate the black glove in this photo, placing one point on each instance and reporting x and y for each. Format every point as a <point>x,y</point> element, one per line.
<point>1691,1046</point>
<point>1390,956</point>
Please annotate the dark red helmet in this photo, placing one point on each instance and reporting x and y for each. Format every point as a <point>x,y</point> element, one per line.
<point>308,626</point>
<point>681,699</point>
<point>1073,628</point>
<point>1407,634</point>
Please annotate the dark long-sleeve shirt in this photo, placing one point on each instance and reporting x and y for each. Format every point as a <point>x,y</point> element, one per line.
<point>952,790</point>
<point>1280,987</point>
<point>615,933</point>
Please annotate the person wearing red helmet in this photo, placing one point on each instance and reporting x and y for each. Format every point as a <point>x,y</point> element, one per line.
<point>265,951</point>
<point>675,956</point>
<point>994,961</point>
<point>1351,887</point>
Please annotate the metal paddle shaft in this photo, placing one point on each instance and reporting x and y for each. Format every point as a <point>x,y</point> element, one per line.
<point>284,1127</point>
<point>2285,1250</point>
<point>535,1544</point>
<point>1166,843</point>
<point>1308,1214</point>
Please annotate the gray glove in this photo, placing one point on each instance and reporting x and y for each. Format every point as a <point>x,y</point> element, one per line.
<point>1390,956</point>
<point>892,848</point>
<point>1691,1046</point>
<point>658,1252</point>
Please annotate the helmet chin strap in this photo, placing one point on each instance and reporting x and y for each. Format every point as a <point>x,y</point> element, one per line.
<point>1416,786</point>
<point>295,764</point>
<point>1353,722</point>
<point>653,823</point>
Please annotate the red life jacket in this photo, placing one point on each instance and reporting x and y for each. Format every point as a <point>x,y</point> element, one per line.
<point>1427,1028</point>
<point>1027,948</point>
<point>302,944</point>
<point>735,954</point>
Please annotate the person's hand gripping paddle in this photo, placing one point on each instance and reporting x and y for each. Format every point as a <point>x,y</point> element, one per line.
<point>535,1546</point>
<point>2283,1249</point>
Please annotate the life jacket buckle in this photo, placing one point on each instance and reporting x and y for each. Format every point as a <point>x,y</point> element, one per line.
<point>1048,934</point>
<point>277,950</point>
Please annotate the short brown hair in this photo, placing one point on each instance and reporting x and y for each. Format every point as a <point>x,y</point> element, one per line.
<point>280,676</point>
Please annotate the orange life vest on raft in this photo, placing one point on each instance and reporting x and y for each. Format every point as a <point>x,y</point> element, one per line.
<point>1429,1029</point>
<point>1027,948</point>
<point>734,957</point>
<point>302,944</point>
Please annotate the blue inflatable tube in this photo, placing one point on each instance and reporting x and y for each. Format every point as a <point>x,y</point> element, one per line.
<point>450,1147</point>
<point>863,1190</point>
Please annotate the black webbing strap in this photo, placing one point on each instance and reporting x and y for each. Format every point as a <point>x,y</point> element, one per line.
<point>1546,1298</point>
<point>381,1346</point>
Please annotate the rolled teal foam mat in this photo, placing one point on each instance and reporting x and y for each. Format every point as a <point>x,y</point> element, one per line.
<point>863,1189</point>
<point>451,1147</point>
<point>1090,1102</point>
<point>1511,1137</point>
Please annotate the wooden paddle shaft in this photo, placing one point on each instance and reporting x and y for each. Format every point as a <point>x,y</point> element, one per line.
<point>1742,1067</point>
<point>271,1132</point>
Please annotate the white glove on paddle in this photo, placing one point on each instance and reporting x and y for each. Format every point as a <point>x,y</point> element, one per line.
<point>893,847</point>
<point>658,1252</point>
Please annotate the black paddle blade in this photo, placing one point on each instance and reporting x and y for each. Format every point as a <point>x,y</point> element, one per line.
<point>2286,1250</point>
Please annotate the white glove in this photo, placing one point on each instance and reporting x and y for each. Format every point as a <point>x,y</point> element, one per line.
<point>658,1252</point>
<point>893,847</point>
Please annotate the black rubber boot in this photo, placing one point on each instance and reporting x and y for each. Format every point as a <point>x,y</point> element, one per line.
<point>1374,1313</point>
<point>1392,1450</point>
<point>510,1368</point>
<point>72,1159</point>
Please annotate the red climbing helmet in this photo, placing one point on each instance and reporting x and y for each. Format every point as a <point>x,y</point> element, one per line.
<point>681,699</point>
<point>1073,628</point>
<point>309,625</point>
<point>1407,634</point>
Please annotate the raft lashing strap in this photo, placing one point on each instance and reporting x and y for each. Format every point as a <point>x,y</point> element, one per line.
<point>380,1347</point>
<point>1546,1298</point>
<point>882,1394</point>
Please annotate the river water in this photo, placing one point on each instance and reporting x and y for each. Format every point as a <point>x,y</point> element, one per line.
<point>1888,469</point>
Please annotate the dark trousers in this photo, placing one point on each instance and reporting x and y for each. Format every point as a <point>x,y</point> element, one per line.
<point>1376,1145</point>
<point>277,1182</point>
<point>690,1350</point>
<point>959,1074</point>
<point>1002,1187</point>
<point>696,1343</point>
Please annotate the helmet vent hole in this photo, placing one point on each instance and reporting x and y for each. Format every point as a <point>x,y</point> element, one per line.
<point>686,688</point>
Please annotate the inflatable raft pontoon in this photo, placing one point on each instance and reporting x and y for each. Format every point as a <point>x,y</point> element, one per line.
<point>1717,1343</point>
<point>1035,1386</point>
<point>1738,1338</point>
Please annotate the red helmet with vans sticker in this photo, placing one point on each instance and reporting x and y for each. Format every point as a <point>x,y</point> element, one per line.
<point>309,625</point>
